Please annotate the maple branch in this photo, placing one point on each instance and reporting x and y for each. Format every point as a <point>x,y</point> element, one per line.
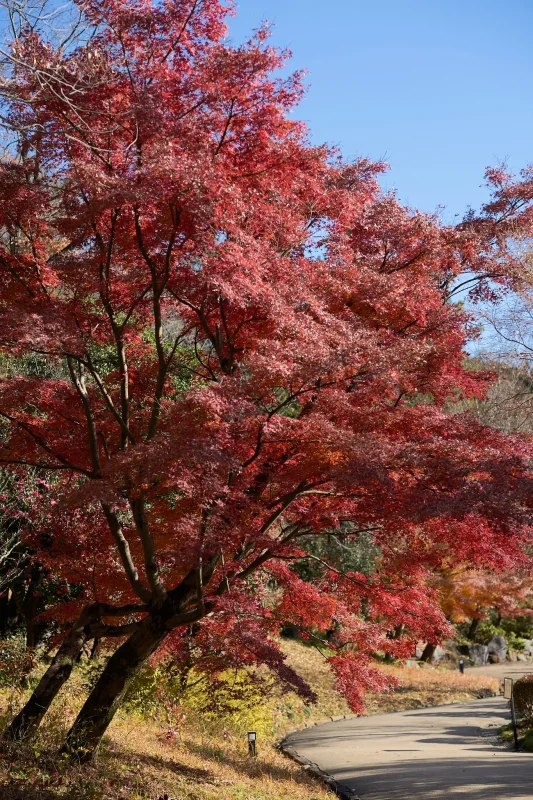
<point>200,587</point>
<point>79,384</point>
<point>138,509</point>
<point>118,330</point>
<point>188,617</point>
<point>124,389</point>
<point>226,129</point>
<point>183,300</point>
<point>199,311</point>
<point>36,464</point>
<point>338,534</point>
<point>177,40</point>
<point>339,572</point>
<point>407,263</point>
<point>295,530</point>
<point>474,279</point>
<point>257,449</point>
<point>107,610</point>
<point>268,553</point>
<point>157,291</point>
<point>101,630</point>
<point>84,140</point>
<point>187,592</point>
<point>116,528</point>
<point>109,400</point>
<point>63,461</point>
<point>134,306</point>
<point>317,385</point>
<point>385,257</point>
<point>284,502</point>
<point>216,341</point>
<point>201,362</point>
<point>16,275</point>
<point>193,108</point>
<point>164,360</point>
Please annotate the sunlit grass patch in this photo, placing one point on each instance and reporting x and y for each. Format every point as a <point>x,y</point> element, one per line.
<point>418,687</point>
<point>421,687</point>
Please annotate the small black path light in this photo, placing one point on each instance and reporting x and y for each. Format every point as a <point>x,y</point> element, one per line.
<point>252,739</point>
<point>461,666</point>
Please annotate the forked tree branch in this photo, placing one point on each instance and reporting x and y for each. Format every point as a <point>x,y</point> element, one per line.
<point>117,532</point>
<point>151,567</point>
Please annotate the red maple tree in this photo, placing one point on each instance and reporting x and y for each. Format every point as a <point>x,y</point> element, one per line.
<point>247,343</point>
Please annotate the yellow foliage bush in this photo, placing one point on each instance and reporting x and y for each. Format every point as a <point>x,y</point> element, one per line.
<point>228,704</point>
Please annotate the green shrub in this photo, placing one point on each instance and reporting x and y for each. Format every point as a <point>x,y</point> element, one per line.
<point>527,742</point>
<point>523,697</point>
<point>521,626</point>
<point>514,642</point>
<point>15,660</point>
<point>89,671</point>
<point>230,703</point>
<point>486,630</point>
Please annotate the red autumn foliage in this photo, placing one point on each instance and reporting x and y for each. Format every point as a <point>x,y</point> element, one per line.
<point>248,342</point>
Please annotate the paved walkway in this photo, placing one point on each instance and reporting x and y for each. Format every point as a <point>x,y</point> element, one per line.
<point>441,753</point>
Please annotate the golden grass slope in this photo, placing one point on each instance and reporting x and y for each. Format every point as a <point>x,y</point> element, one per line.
<point>144,759</point>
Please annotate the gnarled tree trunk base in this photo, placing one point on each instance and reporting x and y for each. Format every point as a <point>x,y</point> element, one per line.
<point>108,692</point>
<point>29,717</point>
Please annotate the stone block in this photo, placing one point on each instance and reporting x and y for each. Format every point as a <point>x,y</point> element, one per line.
<point>477,653</point>
<point>498,647</point>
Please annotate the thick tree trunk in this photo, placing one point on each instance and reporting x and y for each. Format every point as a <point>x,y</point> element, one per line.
<point>427,655</point>
<point>9,612</point>
<point>474,625</point>
<point>27,601</point>
<point>4,605</point>
<point>28,719</point>
<point>31,634</point>
<point>95,649</point>
<point>106,696</point>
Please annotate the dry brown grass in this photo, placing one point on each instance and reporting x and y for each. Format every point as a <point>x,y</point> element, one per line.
<point>420,688</point>
<point>290,711</point>
<point>138,762</point>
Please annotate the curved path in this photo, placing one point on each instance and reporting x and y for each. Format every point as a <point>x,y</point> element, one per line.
<point>435,753</point>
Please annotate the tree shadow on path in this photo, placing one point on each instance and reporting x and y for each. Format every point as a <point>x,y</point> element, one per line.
<point>508,778</point>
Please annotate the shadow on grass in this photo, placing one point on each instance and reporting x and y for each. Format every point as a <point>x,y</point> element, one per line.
<point>11,793</point>
<point>251,767</point>
<point>132,759</point>
<point>28,778</point>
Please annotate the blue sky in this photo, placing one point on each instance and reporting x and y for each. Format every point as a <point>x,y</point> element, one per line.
<point>438,89</point>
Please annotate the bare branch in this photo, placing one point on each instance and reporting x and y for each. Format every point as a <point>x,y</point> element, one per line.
<point>151,567</point>
<point>116,528</point>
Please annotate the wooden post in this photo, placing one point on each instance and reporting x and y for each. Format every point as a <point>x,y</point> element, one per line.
<point>513,717</point>
<point>508,693</point>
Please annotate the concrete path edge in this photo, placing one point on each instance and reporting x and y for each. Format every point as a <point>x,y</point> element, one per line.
<point>343,791</point>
